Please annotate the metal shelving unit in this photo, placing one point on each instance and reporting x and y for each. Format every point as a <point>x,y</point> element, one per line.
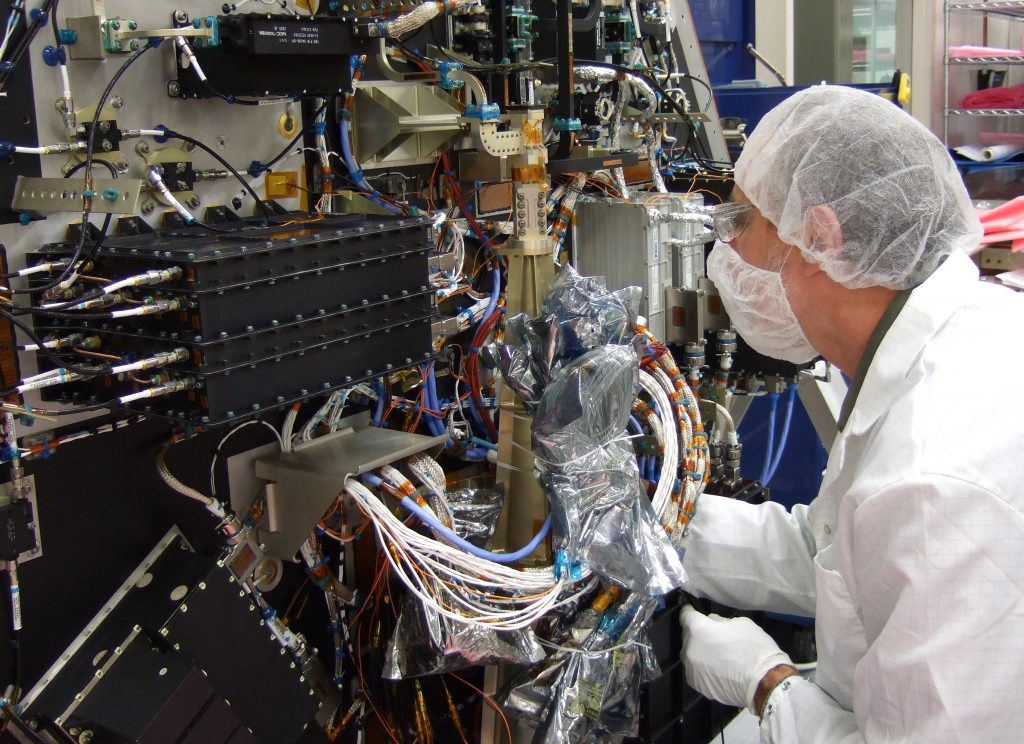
<point>986,60</point>
<point>1011,9</point>
<point>985,112</point>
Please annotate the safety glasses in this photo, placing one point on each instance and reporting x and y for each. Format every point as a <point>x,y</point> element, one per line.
<point>730,219</point>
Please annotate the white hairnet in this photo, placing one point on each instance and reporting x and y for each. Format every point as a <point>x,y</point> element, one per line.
<point>900,204</point>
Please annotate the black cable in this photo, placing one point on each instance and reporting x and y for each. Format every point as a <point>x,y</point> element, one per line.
<point>25,41</point>
<point>90,146</point>
<point>694,141</point>
<point>209,151</point>
<point>48,353</point>
<point>281,155</point>
<point>93,251</point>
<point>104,229</point>
<point>78,166</point>
<point>711,93</point>
<point>53,22</point>
<point>96,371</point>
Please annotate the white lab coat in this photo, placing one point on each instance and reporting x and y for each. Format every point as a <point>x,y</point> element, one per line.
<point>911,558</point>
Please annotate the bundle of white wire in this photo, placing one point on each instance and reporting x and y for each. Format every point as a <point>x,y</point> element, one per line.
<point>460,586</point>
<point>670,436</point>
<point>471,589</point>
<point>330,415</point>
<point>659,386</point>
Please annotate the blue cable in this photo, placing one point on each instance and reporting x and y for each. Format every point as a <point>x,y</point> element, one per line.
<point>484,443</point>
<point>474,413</point>
<point>430,400</point>
<point>429,519</point>
<point>495,294</point>
<point>773,406</point>
<point>378,409</point>
<point>784,437</point>
<point>357,175</point>
<point>634,425</point>
<point>353,168</point>
<point>435,404</point>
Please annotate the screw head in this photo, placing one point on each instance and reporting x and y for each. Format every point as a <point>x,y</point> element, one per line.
<point>117,102</point>
<point>195,201</point>
<point>173,88</point>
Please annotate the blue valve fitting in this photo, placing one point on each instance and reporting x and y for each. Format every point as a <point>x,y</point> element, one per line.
<point>566,125</point>
<point>54,56</point>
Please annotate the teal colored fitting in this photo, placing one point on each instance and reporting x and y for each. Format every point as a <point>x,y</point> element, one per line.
<point>68,36</point>
<point>110,194</point>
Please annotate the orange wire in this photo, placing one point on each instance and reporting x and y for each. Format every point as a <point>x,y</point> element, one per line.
<point>487,699</point>
<point>97,354</point>
<point>359,657</point>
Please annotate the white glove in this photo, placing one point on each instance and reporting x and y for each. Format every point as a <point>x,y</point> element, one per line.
<point>724,658</point>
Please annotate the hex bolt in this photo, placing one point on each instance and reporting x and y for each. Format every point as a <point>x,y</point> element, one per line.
<point>173,88</point>
<point>195,201</point>
<point>142,148</point>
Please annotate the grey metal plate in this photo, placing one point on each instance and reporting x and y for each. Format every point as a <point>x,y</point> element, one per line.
<point>307,481</point>
<point>53,195</point>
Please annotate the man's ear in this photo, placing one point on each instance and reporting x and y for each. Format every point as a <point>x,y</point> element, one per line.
<point>822,231</point>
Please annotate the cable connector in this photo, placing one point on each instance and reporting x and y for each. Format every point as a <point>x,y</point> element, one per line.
<point>156,308</point>
<point>175,386</point>
<point>191,56</point>
<point>151,277</point>
<point>96,303</point>
<point>158,360</point>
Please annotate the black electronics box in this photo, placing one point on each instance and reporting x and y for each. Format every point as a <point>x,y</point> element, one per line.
<point>273,55</point>
<point>267,315</point>
<point>178,654</point>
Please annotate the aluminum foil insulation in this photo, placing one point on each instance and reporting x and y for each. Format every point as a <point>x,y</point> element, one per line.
<point>591,692</point>
<point>420,16</point>
<point>595,74</point>
<point>615,126</point>
<point>475,512</point>
<point>652,140</point>
<point>602,518</point>
<point>425,643</point>
<point>575,368</point>
<point>579,314</point>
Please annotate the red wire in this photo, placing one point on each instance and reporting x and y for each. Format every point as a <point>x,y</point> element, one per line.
<point>472,373</point>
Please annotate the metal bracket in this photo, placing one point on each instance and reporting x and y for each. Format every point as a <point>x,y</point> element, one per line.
<point>27,492</point>
<point>52,195</point>
<point>308,480</point>
<point>497,144</point>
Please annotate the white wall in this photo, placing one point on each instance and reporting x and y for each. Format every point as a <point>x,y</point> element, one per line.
<point>773,27</point>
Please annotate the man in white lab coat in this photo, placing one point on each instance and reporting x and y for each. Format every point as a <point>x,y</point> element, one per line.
<point>911,557</point>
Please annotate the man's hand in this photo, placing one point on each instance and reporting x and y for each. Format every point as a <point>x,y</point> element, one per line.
<point>727,659</point>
